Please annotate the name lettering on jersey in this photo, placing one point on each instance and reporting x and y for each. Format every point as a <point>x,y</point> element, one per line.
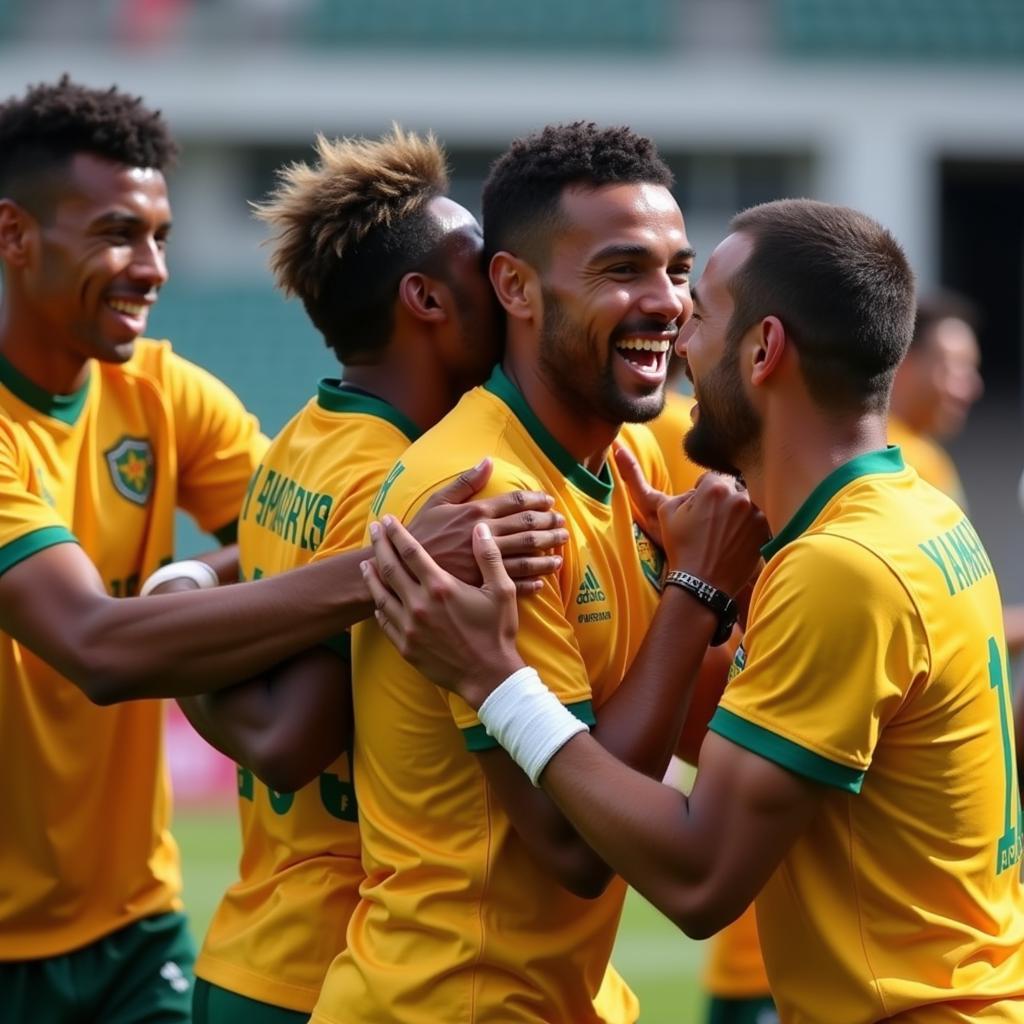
<point>378,503</point>
<point>959,555</point>
<point>131,466</point>
<point>652,559</point>
<point>739,663</point>
<point>295,513</point>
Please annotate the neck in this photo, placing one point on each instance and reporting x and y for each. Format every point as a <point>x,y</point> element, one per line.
<point>26,346</point>
<point>586,438</point>
<point>422,394</point>
<point>789,467</point>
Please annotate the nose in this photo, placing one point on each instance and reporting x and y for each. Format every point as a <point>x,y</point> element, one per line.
<point>685,333</point>
<point>667,299</point>
<point>149,263</point>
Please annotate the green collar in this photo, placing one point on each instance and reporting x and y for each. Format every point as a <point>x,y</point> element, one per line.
<point>66,408</point>
<point>334,397</point>
<point>599,487</point>
<point>889,460</point>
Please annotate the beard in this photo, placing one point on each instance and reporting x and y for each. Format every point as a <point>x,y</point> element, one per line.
<point>728,428</point>
<point>570,367</point>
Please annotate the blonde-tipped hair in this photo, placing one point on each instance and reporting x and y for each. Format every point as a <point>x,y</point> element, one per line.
<point>319,213</point>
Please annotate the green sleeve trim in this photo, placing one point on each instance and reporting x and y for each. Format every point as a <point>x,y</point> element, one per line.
<point>478,738</point>
<point>785,752</point>
<point>227,534</point>
<point>341,645</point>
<point>32,543</point>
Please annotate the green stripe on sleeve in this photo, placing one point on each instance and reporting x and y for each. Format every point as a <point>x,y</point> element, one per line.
<point>32,543</point>
<point>785,752</point>
<point>478,738</point>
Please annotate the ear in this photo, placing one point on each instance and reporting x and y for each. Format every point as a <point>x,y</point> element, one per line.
<point>770,347</point>
<point>516,284</point>
<point>17,226</point>
<point>424,297</point>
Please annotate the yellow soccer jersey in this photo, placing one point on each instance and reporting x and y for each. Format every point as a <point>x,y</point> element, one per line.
<point>280,925</point>
<point>456,921</point>
<point>669,429</point>
<point>930,460</point>
<point>734,968</point>
<point>84,847</point>
<point>874,664</point>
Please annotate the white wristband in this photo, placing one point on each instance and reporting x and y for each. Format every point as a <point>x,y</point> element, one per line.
<point>529,721</point>
<point>203,575</point>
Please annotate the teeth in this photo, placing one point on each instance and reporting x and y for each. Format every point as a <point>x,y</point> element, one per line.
<point>131,308</point>
<point>644,344</point>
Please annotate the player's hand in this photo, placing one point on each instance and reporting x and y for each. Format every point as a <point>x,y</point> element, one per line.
<point>645,499</point>
<point>460,636</point>
<point>527,532</point>
<point>714,532</point>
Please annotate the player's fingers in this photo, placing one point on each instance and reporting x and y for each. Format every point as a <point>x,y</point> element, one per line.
<point>412,554</point>
<point>464,486</point>
<point>527,521</point>
<point>386,606</point>
<point>488,558</point>
<point>513,503</point>
<point>531,566</point>
<point>390,566</point>
<point>633,476</point>
<point>532,543</point>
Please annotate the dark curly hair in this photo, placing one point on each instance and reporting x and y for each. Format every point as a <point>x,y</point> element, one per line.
<point>523,190</point>
<point>41,131</point>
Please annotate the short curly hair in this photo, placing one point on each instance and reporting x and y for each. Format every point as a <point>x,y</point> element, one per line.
<point>349,227</point>
<point>524,187</point>
<point>41,131</point>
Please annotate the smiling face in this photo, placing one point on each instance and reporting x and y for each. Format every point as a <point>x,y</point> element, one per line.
<point>615,289</point>
<point>726,427</point>
<point>101,258</point>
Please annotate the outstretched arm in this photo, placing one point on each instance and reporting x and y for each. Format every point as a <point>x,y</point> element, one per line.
<point>117,649</point>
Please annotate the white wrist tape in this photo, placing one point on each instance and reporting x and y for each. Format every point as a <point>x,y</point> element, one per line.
<point>200,573</point>
<point>529,721</point>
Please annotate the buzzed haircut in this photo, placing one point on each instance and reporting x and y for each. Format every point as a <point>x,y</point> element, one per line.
<point>941,305</point>
<point>349,227</point>
<point>843,289</point>
<point>523,191</point>
<point>41,131</point>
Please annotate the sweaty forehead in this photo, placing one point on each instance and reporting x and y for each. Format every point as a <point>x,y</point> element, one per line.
<point>642,214</point>
<point>94,184</point>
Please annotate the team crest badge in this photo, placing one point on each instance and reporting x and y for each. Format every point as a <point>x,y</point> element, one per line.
<point>130,462</point>
<point>652,559</point>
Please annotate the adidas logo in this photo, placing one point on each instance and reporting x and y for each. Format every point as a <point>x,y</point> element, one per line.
<point>590,590</point>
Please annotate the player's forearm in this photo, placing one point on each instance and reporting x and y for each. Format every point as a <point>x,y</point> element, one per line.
<point>640,724</point>
<point>196,709</point>
<point>638,826</point>
<point>223,561</point>
<point>180,644</point>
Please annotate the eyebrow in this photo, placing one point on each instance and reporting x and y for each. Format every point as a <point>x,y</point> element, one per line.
<point>128,219</point>
<point>622,250</point>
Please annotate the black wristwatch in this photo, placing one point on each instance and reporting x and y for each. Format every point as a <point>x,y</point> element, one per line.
<point>717,600</point>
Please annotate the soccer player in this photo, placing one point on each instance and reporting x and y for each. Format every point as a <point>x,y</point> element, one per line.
<point>101,436</point>
<point>935,387</point>
<point>390,271</point>
<point>858,777</point>
<point>481,903</point>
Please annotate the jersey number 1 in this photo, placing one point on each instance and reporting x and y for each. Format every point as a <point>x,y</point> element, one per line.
<point>1009,851</point>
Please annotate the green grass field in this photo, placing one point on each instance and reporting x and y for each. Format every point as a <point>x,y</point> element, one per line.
<point>658,961</point>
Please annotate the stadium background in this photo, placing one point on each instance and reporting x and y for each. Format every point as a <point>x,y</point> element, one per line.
<point>912,110</point>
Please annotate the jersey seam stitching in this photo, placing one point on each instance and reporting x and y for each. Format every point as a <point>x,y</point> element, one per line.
<point>876,984</point>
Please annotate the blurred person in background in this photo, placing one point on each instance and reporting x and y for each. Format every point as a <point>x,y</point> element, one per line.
<point>390,271</point>
<point>935,387</point>
<point>102,435</point>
